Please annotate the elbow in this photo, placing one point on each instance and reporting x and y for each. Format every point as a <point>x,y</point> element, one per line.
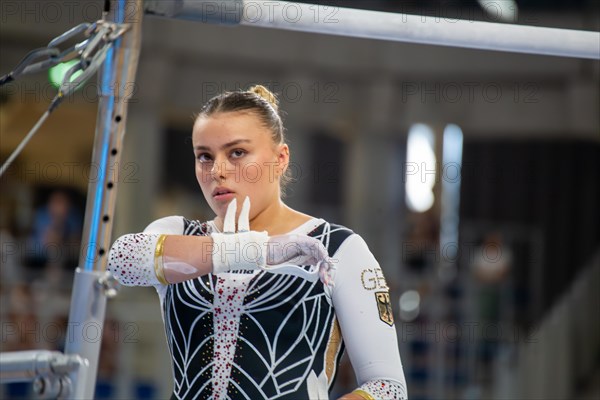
<point>131,259</point>
<point>119,260</point>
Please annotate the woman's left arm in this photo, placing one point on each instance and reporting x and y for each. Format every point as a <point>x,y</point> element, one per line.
<point>362,305</point>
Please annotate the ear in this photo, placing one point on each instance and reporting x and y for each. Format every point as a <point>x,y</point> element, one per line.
<point>283,158</point>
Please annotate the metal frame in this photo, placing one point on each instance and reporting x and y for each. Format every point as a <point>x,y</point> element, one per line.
<point>49,371</point>
<point>73,375</point>
<point>384,26</point>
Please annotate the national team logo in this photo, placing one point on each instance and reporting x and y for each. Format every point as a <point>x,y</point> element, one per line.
<point>385,307</point>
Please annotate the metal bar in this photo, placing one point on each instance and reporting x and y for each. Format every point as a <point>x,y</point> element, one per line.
<point>88,301</point>
<point>116,82</point>
<point>385,26</point>
<point>84,336</point>
<point>47,369</point>
<point>25,366</point>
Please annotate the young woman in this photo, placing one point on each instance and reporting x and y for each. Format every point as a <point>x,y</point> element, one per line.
<point>246,316</point>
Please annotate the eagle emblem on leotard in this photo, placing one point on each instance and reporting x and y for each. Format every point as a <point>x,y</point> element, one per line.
<point>384,307</point>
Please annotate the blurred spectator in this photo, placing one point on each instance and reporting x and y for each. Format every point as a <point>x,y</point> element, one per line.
<point>55,238</point>
<point>421,246</point>
<point>33,283</point>
<point>491,262</point>
<point>491,265</point>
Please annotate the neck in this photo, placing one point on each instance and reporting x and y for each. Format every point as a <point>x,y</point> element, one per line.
<point>271,217</point>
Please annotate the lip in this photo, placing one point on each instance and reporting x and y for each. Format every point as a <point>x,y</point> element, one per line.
<point>223,193</point>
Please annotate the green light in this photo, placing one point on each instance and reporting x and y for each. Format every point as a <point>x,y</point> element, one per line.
<point>57,73</point>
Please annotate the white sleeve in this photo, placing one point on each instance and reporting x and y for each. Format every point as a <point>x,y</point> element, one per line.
<point>172,225</point>
<point>362,305</point>
<point>131,257</point>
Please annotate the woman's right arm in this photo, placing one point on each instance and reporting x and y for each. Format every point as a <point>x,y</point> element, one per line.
<point>160,255</point>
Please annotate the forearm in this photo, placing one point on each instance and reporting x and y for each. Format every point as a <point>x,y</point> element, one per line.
<point>147,259</point>
<point>186,257</point>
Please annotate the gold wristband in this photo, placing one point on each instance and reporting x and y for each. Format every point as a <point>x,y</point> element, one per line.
<point>159,268</point>
<point>363,394</point>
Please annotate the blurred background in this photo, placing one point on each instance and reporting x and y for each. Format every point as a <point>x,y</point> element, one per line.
<point>474,176</point>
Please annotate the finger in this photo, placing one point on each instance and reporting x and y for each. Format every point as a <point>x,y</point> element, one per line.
<point>315,248</point>
<point>244,220</point>
<point>311,250</point>
<point>325,273</point>
<point>229,221</point>
<point>325,277</point>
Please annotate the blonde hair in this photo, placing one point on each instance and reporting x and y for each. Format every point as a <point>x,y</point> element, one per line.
<point>266,94</point>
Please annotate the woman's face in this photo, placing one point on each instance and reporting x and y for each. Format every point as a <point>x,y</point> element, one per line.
<point>235,158</point>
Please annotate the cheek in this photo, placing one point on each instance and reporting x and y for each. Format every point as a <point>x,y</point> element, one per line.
<point>263,170</point>
<point>252,173</point>
<point>201,175</point>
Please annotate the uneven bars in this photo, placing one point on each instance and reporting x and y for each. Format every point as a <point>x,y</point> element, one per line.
<point>385,26</point>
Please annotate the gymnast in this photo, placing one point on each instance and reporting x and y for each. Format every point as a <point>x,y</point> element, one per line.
<point>262,301</point>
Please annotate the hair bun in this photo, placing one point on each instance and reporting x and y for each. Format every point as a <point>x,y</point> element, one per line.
<point>266,94</point>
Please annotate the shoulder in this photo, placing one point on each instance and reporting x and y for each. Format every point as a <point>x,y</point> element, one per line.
<point>333,236</point>
<point>178,225</point>
<point>167,225</point>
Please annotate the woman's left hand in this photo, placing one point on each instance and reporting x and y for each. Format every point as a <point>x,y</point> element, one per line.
<point>300,250</point>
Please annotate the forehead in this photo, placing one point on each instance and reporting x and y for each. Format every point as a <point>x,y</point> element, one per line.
<point>225,127</point>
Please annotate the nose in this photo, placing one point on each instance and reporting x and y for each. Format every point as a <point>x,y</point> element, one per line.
<point>219,169</point>
<point>215,171</point>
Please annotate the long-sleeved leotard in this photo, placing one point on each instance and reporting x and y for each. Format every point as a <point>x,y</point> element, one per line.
<point>257,335</point>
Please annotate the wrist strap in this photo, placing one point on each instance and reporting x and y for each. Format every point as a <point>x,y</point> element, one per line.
<point>239,251</point>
